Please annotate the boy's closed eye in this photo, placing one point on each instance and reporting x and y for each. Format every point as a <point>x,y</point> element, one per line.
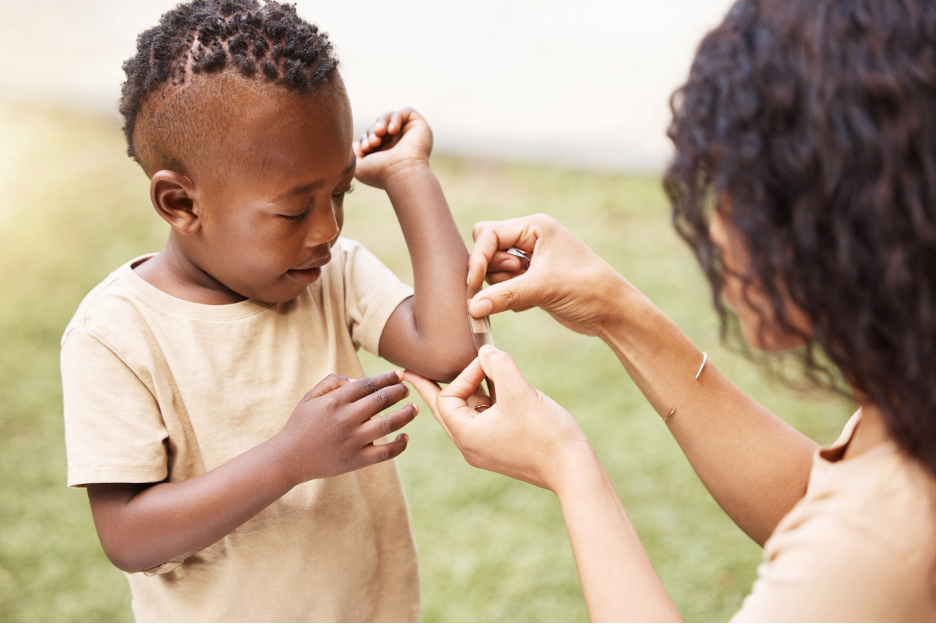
<point>338,197</point>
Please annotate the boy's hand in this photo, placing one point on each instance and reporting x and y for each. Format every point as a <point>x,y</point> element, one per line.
<point>331,431</point>
<point>393,144</point>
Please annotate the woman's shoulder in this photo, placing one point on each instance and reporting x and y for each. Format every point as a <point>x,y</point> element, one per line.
<point>883,494</point>
<point>861,544</point>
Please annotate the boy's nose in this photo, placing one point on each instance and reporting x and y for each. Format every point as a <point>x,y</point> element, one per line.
<point>324,229</point>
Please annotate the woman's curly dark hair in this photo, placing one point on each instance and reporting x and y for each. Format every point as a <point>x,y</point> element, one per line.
<point>817,118</point>
<point>268,42</point>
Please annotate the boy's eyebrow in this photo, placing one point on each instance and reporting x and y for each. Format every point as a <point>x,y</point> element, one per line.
<point>311,186</point>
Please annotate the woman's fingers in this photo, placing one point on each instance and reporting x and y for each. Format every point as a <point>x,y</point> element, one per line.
<point>457,401</point>
<point>463,386</point>
<point>503,371</point>
<point>429,391</point>
<point>489,239</point>
<point>520,293</point>
<point>496,277</point>
<point>503,261</point>
<point>492,237</point>
<point>479,401</point>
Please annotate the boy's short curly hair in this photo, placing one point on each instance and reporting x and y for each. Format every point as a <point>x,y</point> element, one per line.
<point>816,119</point>
<point>269,42</point>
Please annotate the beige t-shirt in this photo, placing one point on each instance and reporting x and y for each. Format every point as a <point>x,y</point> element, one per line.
<point>859,547</point>
<point>157,388</point>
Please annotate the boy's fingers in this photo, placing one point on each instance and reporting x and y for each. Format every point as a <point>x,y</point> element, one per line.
<point>376,453</point>
<point>399,119</point>
<point>330,383</point>
<point>380,126</point>
<point>394,123</point>
<point>381,400</point>
<point>381,426</point>
<point>361,388</point>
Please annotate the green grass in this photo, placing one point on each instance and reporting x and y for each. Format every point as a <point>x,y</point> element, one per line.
<point>73,207</point>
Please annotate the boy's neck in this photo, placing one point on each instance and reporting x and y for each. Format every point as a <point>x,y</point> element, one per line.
<point>174,274</point>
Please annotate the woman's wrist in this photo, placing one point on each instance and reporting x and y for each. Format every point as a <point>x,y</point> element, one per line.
<point>620,301</point>
<point>576,466</point>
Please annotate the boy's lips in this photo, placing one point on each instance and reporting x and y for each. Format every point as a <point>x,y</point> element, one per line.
<point>305,276</point>
<point>310,271</point>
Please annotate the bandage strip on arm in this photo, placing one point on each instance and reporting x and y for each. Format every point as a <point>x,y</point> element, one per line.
<point>480,328</point>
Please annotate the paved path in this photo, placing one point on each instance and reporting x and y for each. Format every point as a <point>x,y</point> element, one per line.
<point>584,83</point>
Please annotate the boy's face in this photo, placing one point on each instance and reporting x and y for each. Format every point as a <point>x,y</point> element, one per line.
<point>270,192</point>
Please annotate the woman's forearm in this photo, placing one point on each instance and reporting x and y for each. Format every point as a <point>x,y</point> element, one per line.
<point>618,580</point>
<point>754,464</point>
<point>431,333</point>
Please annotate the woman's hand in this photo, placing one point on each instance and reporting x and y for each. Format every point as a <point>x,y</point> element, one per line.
<point>525,435</point>
<point>565,277</point>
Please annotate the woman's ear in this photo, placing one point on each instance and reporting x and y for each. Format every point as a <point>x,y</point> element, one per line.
<point>176,200</point>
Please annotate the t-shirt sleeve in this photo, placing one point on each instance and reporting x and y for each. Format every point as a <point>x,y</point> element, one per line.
<point>832,571</point>
<point>372,293</point>
<point>114,432</point>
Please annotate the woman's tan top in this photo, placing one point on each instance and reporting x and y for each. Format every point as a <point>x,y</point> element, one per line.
<point>860,546</point>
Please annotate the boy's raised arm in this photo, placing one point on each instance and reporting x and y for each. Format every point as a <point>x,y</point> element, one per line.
<point>429,332</point>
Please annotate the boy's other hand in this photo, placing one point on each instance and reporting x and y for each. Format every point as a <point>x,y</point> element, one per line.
<point>391,146</point>
<point>332,430</point>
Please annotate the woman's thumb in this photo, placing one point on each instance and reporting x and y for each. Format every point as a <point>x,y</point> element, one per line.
<point>512,294</point>
<point>500,368</point>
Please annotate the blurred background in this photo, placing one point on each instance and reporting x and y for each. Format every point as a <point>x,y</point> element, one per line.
<point>536,106</point>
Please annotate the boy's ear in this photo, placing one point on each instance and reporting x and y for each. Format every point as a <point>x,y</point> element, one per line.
<point>175,199</point>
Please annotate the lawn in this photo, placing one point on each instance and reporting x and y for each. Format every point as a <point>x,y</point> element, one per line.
<point>73,207</point>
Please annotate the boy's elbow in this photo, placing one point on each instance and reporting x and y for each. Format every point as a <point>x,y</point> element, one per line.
<point>125,562</point>
<point>451,364</point>
<point>130,554</point>
<point>126,559</point>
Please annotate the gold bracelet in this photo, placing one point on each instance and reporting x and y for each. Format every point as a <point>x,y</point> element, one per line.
<point>704,362</point>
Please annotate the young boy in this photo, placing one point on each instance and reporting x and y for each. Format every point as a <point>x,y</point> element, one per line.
<point>182,370</point>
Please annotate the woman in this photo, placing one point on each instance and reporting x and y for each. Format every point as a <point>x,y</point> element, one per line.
<point>805,181</point>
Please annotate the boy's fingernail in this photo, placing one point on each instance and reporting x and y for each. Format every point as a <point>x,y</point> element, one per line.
<point>482,308</point>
